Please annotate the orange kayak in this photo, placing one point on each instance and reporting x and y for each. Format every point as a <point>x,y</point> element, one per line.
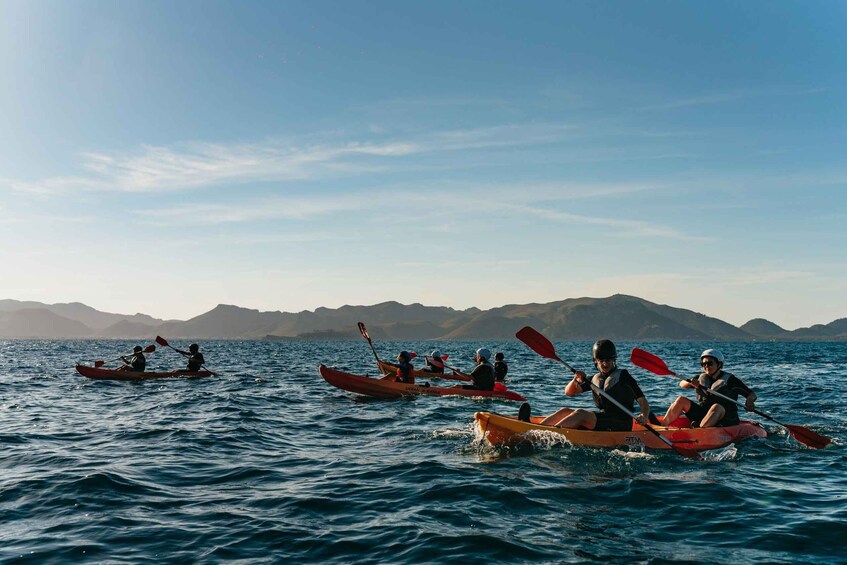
<point>115,375</point>
<point>389,368</point>
<point>389,388</point>
<point>501,430</point>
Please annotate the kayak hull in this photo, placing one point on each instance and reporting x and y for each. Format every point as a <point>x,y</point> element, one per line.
<point>388,368</point>
<point>501,430</point>
<point>387,388</point>
<point>115,375</point>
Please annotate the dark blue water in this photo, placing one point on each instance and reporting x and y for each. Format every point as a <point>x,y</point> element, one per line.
<point>267,463</point>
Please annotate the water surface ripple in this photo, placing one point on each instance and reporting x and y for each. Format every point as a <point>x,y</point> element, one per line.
<point>267,463</point>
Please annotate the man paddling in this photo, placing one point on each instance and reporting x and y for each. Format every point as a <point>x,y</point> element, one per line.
<point>483,373</point>
<point>711,410</point>
<point>617,383</point>
<point>195,358</point>
<point>137,363</point>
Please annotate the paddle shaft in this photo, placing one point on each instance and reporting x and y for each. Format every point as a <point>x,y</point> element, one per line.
<point>364,332</point>
<point>162,341</point>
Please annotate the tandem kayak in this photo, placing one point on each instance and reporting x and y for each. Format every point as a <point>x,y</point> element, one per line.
<point>389,368</point>
<point>387,388</point>
<point>501,430</point>
<point>115,375</point>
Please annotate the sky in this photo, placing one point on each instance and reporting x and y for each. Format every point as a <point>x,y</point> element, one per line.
<point>165,157</point>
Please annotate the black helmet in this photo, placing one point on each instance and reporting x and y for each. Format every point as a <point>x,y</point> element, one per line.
<point>604,349</point>
<point>136,349</point>
<point>404,356</point>
<point>193,348</point>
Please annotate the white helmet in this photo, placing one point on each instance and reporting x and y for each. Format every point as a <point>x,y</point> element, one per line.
<point>484,353</point>
<point>435,353</point>
<point>713,353</point>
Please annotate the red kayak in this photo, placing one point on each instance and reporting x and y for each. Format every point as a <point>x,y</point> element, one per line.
<point>508,430</point>
<point>115,375</point>
<point>389,388</point>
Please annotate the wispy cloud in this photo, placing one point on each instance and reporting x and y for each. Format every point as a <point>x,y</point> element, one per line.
<point>731,96</point>
<point>162,169</point>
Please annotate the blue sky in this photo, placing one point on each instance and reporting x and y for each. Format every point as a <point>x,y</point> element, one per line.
<point>164,157</point>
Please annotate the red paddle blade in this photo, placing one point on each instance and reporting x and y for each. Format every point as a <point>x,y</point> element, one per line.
<point>150,348</point>
<point>364,331</point>
<point>650,362</point>
<point>161,341</point>
<point>807,436</point>
<point>537,342</point>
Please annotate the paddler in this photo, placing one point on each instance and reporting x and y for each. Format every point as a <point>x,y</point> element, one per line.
<point>404,368</point>
<point>618,383</point>
<point>195,358</point>
<point>483,373</point>
<point>712,410</point>
<point>136,363</point>
<point>434,363</point>
<point>501,369</point>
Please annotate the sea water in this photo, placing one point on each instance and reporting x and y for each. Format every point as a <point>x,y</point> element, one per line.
<point>267,463</point>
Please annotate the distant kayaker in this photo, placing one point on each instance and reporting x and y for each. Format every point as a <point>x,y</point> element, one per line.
<point>711,410</point>
<point>483,373</point>
<point>404,368</point>
<point>434,363</point>
<point>618,383</point>
<point>500,367</point>
<point>195,358</point>
<point>137,362</point>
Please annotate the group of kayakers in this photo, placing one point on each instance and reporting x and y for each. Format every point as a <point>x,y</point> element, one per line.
<point>138,362</point>
<point>483,376</point>
<point>708,411</point>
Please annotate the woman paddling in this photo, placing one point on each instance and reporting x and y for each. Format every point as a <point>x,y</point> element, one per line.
<point>711,410</point>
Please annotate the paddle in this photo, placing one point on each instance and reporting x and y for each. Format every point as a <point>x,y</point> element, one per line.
<point>364,332</point>
<point>654,364</point>
<point>164,343</point>
<point>456,376</point>
<point>544,347</point>
<point>149,349</point>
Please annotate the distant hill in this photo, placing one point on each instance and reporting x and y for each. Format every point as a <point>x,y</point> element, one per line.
<point>616,317</point>
<point>762,328</point>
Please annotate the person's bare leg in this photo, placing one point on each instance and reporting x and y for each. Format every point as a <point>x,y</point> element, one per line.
<point>675,410</point>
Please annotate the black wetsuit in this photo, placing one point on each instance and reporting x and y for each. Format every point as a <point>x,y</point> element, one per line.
<point>137,363</point>
<point>483,377</point>
<point>728,385</point>
<point>621,386</point>
<point>196,362</point>
<point>500,370</point>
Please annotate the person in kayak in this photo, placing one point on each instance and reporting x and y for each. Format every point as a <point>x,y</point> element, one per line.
<point>711,410</point>
<point>483,373</point>
<point>404,368</point>
<point>500,367</point>
<point>137,363</point>
<point>434,363</point>
<point>618,383</point>
<point>195,358</point>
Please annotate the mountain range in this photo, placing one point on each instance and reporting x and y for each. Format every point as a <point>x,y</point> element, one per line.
<point>615,317</point>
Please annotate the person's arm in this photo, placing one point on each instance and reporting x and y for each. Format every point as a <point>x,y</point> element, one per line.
<point>645,410</point>
<point>747,393</point>
<point>577,384</point>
